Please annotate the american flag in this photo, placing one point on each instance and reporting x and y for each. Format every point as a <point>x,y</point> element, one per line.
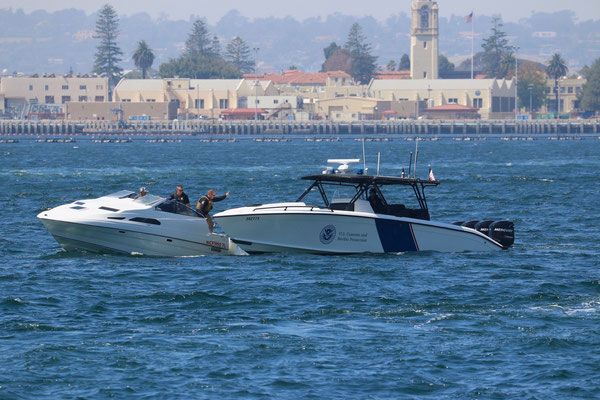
<point>469,18</point>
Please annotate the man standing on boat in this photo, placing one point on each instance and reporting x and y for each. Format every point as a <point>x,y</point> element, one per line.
<point>205,204</point>
<point>180,196</point>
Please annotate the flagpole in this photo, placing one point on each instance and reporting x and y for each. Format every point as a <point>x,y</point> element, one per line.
<point>472,43</point>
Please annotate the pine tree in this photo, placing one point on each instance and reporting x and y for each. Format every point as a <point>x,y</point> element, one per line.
<point>108,54</point>
<point>215,47</point>
<point>494,48</point>
<point>362,65</point>
<point>237,53</point>
<point>391,65</point>
<point>143,57</point>
<point>198,42</point>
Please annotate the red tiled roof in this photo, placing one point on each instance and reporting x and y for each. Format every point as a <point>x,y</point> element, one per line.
<point>295,77</point>
<point>392,75</point>
<point>451,107</point>
<point>389,112</point>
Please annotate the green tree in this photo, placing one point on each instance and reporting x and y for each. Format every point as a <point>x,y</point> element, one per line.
<point>215,46</point>
<point>530,75</point>
<point>198,42</point>
<point>444,65</point>
<point>391,66</point>
<point>404,63</point>
<point>494,48</point>
<point>108,54</point>
<point>238,54</point>
<point>590,97</point>
<point>143,57</point>
<point>556,69</point>
<point>340,60</point>
<point>507,66</point>
<point>362,65</point>
<point>198,66</point>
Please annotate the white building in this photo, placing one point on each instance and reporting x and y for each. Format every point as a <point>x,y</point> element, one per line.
<point>495,98</point>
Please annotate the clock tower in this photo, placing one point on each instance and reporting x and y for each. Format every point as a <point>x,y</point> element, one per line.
<point>424,34</point>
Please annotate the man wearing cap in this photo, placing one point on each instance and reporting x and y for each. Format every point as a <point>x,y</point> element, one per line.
<point>142,193</point>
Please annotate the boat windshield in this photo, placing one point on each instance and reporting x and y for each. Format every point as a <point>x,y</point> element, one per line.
<point>175,207</point>
<point>148,199</point>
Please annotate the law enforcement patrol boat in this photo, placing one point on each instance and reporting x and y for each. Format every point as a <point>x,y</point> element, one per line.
<point>148,225</point>
<point>348,222</point>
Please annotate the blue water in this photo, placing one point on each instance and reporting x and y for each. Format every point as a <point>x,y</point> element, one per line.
<point>522,323</point>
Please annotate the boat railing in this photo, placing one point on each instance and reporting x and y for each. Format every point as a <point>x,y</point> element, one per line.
<point>285,208</point>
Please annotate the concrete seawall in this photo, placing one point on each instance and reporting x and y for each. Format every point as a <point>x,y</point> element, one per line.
<point>420,127</point>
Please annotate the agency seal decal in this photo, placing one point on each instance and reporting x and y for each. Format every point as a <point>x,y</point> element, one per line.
<point>327,234</point>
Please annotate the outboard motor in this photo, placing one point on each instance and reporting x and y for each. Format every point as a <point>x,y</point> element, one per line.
<point>483,227</point>
<point>502,232</point>
<point>470,224</point>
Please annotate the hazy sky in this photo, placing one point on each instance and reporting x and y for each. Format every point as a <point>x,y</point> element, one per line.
<point>510,10</point>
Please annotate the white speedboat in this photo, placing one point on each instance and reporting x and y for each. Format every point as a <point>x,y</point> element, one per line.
<point>148,225</point>
<point>348,224</point>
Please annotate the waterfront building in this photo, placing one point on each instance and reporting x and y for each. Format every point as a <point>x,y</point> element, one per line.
<point>494,98</point>
<point>21,93</point>
<point>424,33</point>
<point>569,92</point>
<point>343,109</point>
<point>195,97</point>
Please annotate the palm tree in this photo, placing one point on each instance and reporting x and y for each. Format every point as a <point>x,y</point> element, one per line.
<point>143,57</point>
<point>556,69</point>
<point>507,65</point>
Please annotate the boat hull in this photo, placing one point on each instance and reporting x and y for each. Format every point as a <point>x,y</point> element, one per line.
<point>87,237</point>
<point>340,232</point>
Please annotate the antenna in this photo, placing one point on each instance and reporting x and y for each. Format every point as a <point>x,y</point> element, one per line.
<point>378,158</point>
<point>364,158</point>
<point>416,155</point>
<point>410,164</point>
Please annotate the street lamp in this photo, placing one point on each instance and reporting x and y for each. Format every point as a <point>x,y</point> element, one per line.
<point>530,87</point>
<point>516,82</point>
<point>255,84</point>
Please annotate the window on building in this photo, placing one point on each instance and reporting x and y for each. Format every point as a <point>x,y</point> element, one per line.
<point>275,101</point>
<point>46,88</point>
<point>424,45</point>
<point>570,89</point>
<point>478,103</point>
<point>65,87</point>
<point>424,74</point>
<point>99,87</point>
<point>563,89</point>
<point>99,99</point>
<point>49,100</point>
<point>82,87</point>
<point>65,99</point>
<point>223,103</point>
<point>199,103</point>
<point>453,100</point>
<point>82,98</point>
<point>30,87</point>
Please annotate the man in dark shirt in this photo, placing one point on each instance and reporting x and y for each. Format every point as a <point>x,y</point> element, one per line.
<point>180,196</point>
<point>205,204</point>
<point>376,203</point>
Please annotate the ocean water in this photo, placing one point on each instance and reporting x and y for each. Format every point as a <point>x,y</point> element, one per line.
<point>522,323</point>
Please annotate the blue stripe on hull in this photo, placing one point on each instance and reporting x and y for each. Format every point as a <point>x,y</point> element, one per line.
<point>395,236</point>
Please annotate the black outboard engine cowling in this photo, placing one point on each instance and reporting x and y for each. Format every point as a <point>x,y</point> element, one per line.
<point>502,232</point>
<point>470,224</point>
<point>483,227</point>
